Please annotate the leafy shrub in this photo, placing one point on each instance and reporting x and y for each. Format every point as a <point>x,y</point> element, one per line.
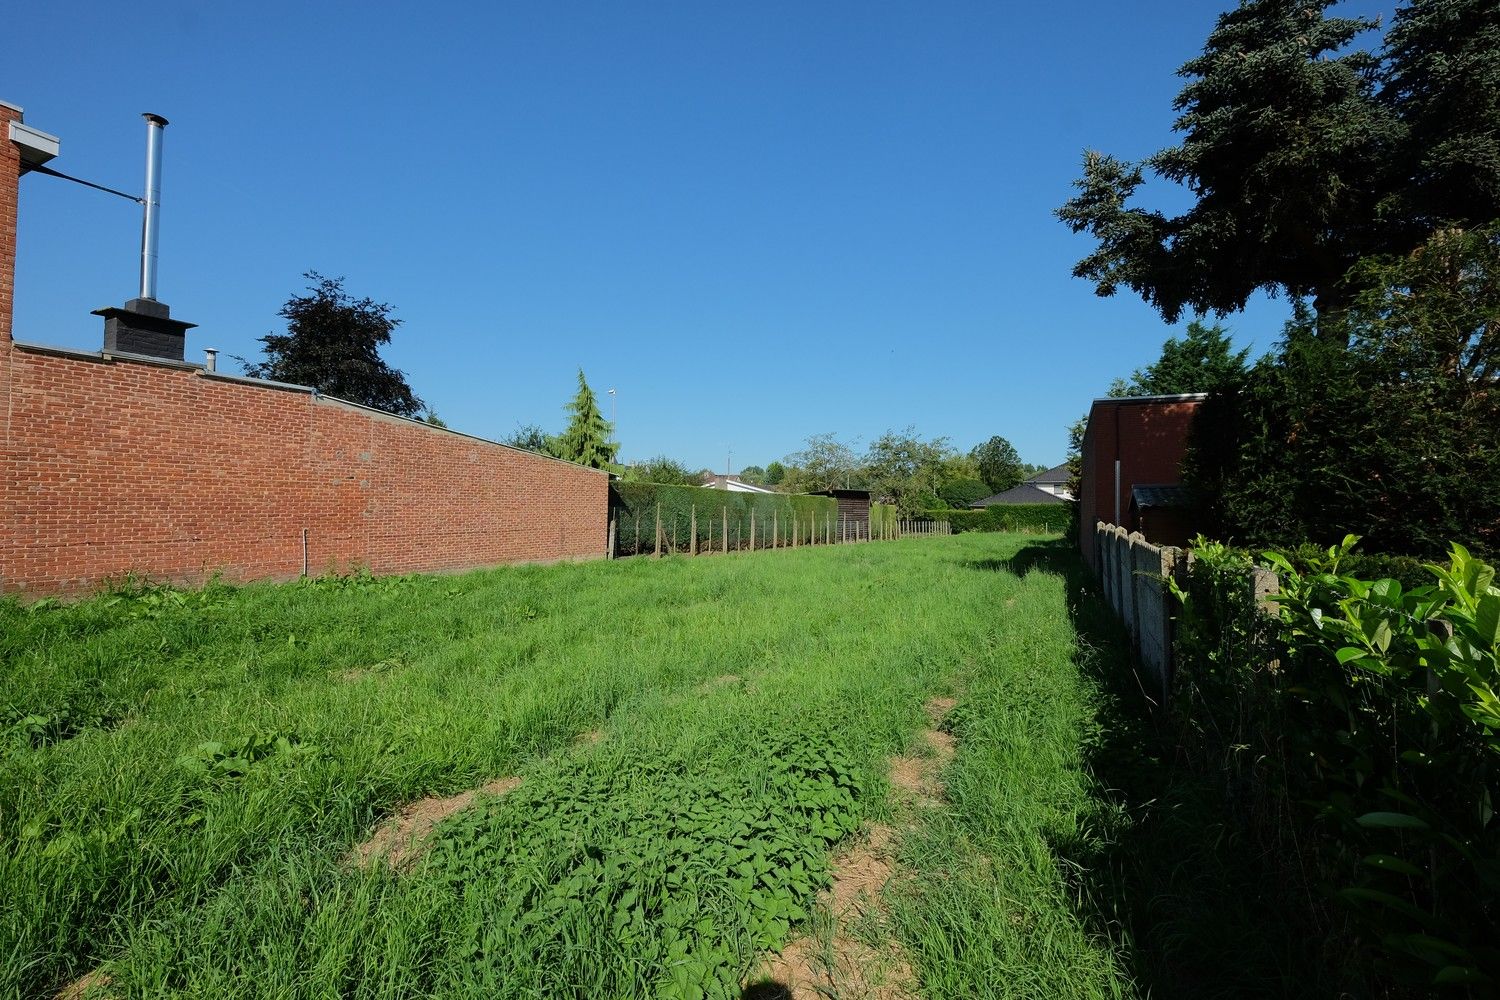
<point>684,876</point>
<point>962,492</point>
<point>1362,724</point>
<point>1007,517</point>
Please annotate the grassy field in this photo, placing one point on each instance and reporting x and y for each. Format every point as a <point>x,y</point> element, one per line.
<point>185,777</point>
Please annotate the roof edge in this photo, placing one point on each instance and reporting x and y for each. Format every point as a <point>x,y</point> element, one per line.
<point>1185,397</point>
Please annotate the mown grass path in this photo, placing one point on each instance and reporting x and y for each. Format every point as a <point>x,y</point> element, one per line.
<point>186,777</point>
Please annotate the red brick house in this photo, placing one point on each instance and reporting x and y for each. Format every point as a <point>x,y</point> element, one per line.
<point>1132,468</point>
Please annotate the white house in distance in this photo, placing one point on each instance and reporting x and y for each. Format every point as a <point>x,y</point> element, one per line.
<point>1054,481</point>
<point>1044,487</point>
<point>734,484</point>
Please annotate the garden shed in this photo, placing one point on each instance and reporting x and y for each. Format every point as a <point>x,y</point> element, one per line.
<point>854,511</point>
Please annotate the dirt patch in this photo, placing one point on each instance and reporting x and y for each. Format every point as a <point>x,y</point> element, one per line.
<point>841,962</point>
<point>917,778</point>
<point>938,708</point>
<point>589,738</point>
<point>854,955</point>
<point>399,839</point>
<point>723,680</point>
<point>91,984</point>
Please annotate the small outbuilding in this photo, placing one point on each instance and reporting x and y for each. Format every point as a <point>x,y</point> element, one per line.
<point>854,511</point>
<point>1136,443</point>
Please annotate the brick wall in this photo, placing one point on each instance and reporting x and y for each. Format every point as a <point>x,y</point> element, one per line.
<point>115,466</point>
<point>10,176</point>
<point>1149,438</point>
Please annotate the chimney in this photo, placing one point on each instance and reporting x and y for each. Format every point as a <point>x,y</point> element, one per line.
<point>144,325</point>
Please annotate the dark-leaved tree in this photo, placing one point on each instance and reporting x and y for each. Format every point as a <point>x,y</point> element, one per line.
<point>1201,361</point>
<point>1305,154</point>
<point>332,343</point>
<point>1395,439</point>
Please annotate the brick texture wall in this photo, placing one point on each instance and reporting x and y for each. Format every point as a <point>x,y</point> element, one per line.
<point>1149,437</point>
<point>120,466</point>
<point>114,467</point>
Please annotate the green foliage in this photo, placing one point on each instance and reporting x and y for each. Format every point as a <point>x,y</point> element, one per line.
<point>332,343</point>
<point>635,506</point>
<point>1304,154</point>
<point>1202,361</point>
<point>1445,73</point>
<point>904,470</point>
<point>824,463</point>
<point>1044,517</point>
<point>753,474</point>
<point>775,473</point>
<point>586,439</point>
<point>661,469</point>
<point>532,438</point>
<point>1370,750</point>
<point>962,492</point>
<point>429,416</point>
<point>690,874</point>
<point>999,464</point>
<point>1396,438</point>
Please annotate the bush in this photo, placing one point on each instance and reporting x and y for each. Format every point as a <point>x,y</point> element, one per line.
<point>1360,728</point>
<point>1007,517</point>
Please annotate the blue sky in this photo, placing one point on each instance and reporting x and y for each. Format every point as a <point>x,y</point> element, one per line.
<point>757,222</point>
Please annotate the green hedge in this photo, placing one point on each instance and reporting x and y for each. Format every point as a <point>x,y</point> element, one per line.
<point>634,508</point>
<point>1367,760</point>
<point>1008,517</point>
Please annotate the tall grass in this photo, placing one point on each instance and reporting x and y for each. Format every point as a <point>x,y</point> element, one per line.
<point>184,776</point>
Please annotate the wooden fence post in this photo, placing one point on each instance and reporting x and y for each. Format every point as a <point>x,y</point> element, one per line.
<point>724,536</point>
<point>658,531</point>
<point>635,543</point>
<point>693,531</point>
<point>752,527</point>
<point>775,529</point>
<point>610,550</point>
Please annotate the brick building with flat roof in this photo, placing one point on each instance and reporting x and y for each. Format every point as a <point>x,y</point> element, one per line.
<point>1132,467</point>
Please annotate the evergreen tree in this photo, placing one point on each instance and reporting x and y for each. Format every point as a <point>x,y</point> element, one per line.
<point>1444,81</point>
<point>332,343</point>
<point>1395,439</point>
<point>587,437</point>
<point>1305,155</point>
<point>1201,361</point>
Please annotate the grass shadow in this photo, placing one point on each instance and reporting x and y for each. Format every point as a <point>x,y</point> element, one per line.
<point>1164,871</point>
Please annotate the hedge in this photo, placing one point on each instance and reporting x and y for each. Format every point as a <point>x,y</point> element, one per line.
<point>1008,517</point>
<point>780,519</point>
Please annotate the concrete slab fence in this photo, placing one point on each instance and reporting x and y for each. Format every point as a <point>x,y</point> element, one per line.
<point>1134,573</point>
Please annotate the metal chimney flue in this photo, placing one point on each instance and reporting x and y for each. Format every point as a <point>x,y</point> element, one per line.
<point>144,326</point>
<point>151,224</point>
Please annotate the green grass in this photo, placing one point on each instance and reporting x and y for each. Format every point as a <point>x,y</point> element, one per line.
<point>183,777</point>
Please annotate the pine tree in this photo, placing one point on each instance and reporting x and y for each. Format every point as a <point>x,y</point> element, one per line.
<point>587,437</point>
<point>1201,361</point>
<point>1283,144</point>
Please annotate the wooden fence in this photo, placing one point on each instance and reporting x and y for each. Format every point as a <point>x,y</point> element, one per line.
<point>713,531</point>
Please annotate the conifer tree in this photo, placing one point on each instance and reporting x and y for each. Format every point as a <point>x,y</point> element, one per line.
<point>1305,154</point>
<point>587,437</point>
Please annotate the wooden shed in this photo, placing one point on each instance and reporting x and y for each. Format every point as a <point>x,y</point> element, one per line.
<point>854,512</point>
